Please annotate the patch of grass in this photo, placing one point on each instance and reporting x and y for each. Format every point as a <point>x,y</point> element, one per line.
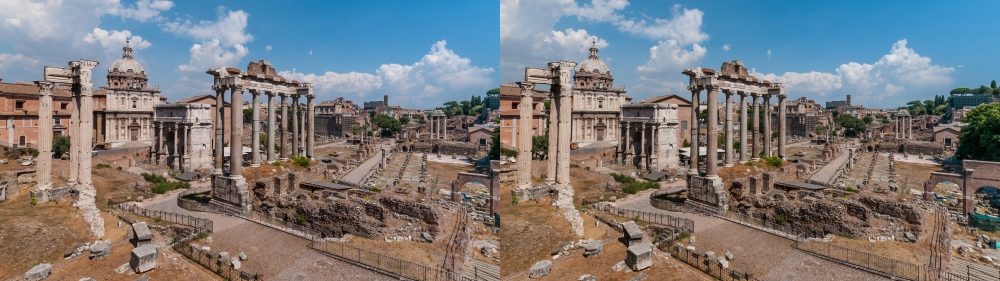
<point>684,235</point>
<point>201,235</point>
<point>571,165</point>
<point>153,178</point>
<point>636,187</point>
<point>622,178</point>
<point>164,187</point>
<point>781,219</point>
<point>101,166</point>
<point>774,161</point>
<point>851,189</point>
<point>34,201</point>
<point>301,220</point>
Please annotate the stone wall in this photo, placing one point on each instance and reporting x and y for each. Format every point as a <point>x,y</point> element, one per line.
<point>457,148</point>
<point>922,148</point>
<point>410,208</point>
<point>123,158</point>
<point>903,211</point>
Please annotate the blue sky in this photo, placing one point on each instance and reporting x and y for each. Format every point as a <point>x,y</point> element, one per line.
<point>883,53</point>
<point>420,53</point>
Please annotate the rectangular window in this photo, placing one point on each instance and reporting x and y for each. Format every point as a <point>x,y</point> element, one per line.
<point>684,125</point>
<point>19,105</point>
<point>57,120</point>
<point>63,106</point>
<point>513,105</point>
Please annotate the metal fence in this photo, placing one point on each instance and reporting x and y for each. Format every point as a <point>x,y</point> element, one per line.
<point>390,265</point>
<point>209,261</point>
<point>200,224</point>
<point>680,224</point>
<point>710,267</point>
<point>880,264</point>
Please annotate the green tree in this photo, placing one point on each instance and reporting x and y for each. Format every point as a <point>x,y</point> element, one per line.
<point>540,146</point>
<point>495,146</point>
<point>983,91</point>
<point>915,107</point>
<point>60,145</point>
<point>248,115</point>
<point>390,126</point>
<point>404,120</point>
<point>868,120</point>
<point>980,139</point>
<point>993,84</point>
<point>851,124</point>
<point>961,91</point>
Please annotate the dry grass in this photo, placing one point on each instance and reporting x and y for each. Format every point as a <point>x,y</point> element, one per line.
<point>916,253</point>
<point>662,269</point>
<point>528,232</point>
<point>39,234</point>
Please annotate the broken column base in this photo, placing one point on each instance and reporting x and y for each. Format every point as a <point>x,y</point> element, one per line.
<point>707,195</point>
<point>639,256</point>
<point>47,194</point>
<point>231,194</point>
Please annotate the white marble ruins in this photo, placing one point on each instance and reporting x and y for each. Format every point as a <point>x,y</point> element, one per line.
<point>183,136</point>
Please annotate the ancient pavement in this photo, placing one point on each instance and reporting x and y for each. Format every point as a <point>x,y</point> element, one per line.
<point>827,172</point>
<point>357,174</point>
<point>761,254</point>
<point>288,257</point>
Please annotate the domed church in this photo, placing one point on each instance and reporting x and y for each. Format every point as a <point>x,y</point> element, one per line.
<point>123,110</point>
<point>596,104</point>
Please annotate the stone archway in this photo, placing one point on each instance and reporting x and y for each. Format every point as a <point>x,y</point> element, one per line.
<point>601,130</point>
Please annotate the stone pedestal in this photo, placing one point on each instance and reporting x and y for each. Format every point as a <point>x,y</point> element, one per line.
<point>707,192</point>
<point>143,258</point>
<point>231,191</point>
<point>639,256</point>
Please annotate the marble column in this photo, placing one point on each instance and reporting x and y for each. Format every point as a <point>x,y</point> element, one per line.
<point>174,159</point>
<point>255,129</point>
<point>767,124</point>
<point>270,127</point>
<point>235,143</point>
<point>524,136</point>
<point>756,128</point>
<point>220,124</point>
<point>711,152</point>
<point>157,145</point>
<point>86,131</point>
<point>909,127</point>
<point>295,124</point>
<point>311,128</point>
<point>283,127</point>
<point>743,127</point>
<point>44,165</point>
<point>626,145</point>
<point>642,146</point>
<point>550,173</point>
<point>565,111</point>
<point>694,132</point>
<point>729,129</point>
<point>74,144</point>
<point>433,123</point>
<point>782,124</point>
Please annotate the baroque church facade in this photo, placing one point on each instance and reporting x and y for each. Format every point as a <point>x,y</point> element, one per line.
<point>596,103</point>
<point>123,110</point>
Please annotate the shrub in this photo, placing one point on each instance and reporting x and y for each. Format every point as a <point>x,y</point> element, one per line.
<point>622,178</point>
<point>571,165</point>
<point>684,235</point>
<point>302,161</point>
<point>376,189</point>
<point>636,187</point>
<point>34,201</point>
<point>780,219</point>
<point>851,189</point>
<point>749,163</point>
<point>301,220</point>
<point>515,200</point>
<point>153,178</point>
<point>774,161</point>
<point>101,166</point>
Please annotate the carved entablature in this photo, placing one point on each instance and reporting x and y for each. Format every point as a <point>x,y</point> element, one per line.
<point>733,78</point>
<point>259,78</point>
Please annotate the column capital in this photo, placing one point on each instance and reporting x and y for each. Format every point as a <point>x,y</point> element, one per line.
<point>269,94</point>
<point>45,87</point>
<point>743,94</point>
<point>237,88</point>
<point>527,88</point>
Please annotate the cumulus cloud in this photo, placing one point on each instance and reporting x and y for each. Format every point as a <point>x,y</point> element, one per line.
<point>726,47</point>
<point>8,60</point>
<point>268,47</point>
<point>143,10</point>
<point>210,54</point>
<point>229,28</point>
<point>902,69</point>
<point>441,71</point>
<point>114,40</point>
<point>684,27</point>
<point>668,57</point>
<point>769,53</point>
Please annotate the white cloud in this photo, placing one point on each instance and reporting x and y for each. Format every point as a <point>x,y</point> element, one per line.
<point>598,10</point>
<point>144,10</point>
<point>229,29</point>
<point>210,54</point>
<point>268,47</point>
<point>902,69</point>
<point>439,72</point>
<point>668,57</point>
<point>684,27</point>
<point>8,60</point>
<point>769,53</point>
<point>114,40</point>
<point>310,52</point>
<point>726,47</point>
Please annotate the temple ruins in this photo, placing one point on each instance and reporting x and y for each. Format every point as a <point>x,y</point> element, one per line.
<point>649,136</point>
<point>734,78</point>
<point>183,136</point>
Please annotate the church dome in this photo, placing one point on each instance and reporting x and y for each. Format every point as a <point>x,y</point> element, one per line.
<point>593,62</point>
<point>127,62</point>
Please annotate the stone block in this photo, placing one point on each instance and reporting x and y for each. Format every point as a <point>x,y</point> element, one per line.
<point>243,256</point>
<point>100,249</point>
<point>142,278</point>
<point>632,233</point>
<point>729,256</point>
<point>88,279</point>
<point>723,263</point>
<point>540,269</point>
<point>593,248</point>
<point>144,258</point>
<point>142,235</point>
<point>639,256</point>
<point>235,262</point>
<point>640,277</point>
<point>587,277</point>
<point>38,272</point>
<point>223,258</point>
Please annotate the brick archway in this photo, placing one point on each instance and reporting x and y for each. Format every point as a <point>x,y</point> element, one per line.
<point>978,174</point>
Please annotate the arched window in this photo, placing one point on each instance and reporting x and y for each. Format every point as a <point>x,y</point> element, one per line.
<point>21,141</point>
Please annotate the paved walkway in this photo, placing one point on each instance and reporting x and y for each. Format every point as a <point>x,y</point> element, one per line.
<point>827,172</point>
<point>357,174</point>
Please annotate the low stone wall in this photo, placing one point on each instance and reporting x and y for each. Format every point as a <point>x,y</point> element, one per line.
<point>922,148</point>
<point>531,193</point>
<point>123,158</point>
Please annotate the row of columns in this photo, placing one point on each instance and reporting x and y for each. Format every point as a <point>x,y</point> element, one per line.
<point>80,128</point>
<point>180,132</point>
<point>904,127</point>
<point>646,143</point>
<point>761,130</point>
<point>439,125</point>
<point>301,144</point>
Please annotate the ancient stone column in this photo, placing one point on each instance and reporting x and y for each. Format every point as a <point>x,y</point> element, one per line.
<point>524,136</point>
<point>311,118</point>
<point>432,123</point>
<point>712,146</point>
<point>695,93</point>
<point>235,141</point>
<point>565,129</point>
<point>283,127</point>
<point>728,162</point>
<point>220,124</point>
<point>174,160</point>
<point>255,130</point>
<point>909,127</point>
<point>642,146</point>
<point>767,124</point>
<point>74,144</point>
<point>896,127</point>
<point>44,165</point>
<point>550,174</point>
<point>158,127</point>
<point>756,128</point>
<point>270,127</point>
<point>781,126</point>
<point>626,145</point>
<point>743,127</point>
<point>86,131</point>
<point>295,125</point>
